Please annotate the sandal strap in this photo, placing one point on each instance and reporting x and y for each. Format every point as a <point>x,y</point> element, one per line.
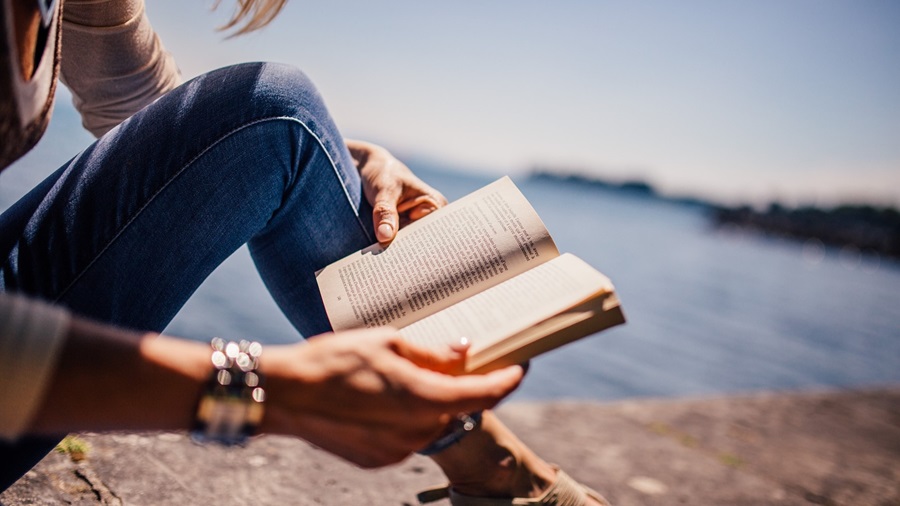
<point>565,491</point>
<point>433,494</point>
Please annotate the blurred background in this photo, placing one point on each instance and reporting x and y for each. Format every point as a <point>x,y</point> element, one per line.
<point>671,145</point>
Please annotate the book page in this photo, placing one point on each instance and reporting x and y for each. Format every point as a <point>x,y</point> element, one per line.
<point>512,306</point>
<point>598,313</point>
<point>476,242</point>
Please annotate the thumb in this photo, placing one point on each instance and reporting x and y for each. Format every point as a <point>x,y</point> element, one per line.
<point>385,215</point>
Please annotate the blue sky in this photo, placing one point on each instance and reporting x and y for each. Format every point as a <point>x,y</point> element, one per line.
<point>798,101</point>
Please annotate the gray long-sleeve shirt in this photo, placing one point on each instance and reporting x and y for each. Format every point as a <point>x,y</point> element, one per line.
<point>114,64</point>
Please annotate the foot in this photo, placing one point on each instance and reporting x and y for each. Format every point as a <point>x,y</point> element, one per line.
<point>492,462</point>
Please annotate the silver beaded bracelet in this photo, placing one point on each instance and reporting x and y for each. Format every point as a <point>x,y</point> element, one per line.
<point>231,405</point>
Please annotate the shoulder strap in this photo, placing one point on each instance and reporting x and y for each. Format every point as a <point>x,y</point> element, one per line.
<point>26,101</point>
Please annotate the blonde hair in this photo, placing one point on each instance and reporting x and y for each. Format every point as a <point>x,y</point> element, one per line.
<point>251,15</point>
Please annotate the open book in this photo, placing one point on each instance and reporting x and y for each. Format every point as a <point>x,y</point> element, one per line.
<point>483,267</point>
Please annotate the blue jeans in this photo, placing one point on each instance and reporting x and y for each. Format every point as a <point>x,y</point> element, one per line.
<point>128,229</point>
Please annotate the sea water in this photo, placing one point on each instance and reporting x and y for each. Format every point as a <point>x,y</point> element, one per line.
<point>710,311</point>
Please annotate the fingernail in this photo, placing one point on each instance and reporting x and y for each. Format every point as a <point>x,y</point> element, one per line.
<point>385,230</point>
<point>463,341</point>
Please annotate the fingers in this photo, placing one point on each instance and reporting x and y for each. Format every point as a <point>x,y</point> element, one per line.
<point>367,445</point>
<point>451,360</point>
<point>390,204</point>
<point>421,205</point>
<point>371,397</point>
<point>427,375</point>
<point>424,204</point>
<point>432,381</point>
<point>440,392</point>
<point>392,189</point>
<point>472,392</point>
<point>420,211</point>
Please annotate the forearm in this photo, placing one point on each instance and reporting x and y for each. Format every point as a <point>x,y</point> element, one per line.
<point>112,379</point>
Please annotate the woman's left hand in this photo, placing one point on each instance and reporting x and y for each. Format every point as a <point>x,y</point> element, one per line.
<point>396,194</point>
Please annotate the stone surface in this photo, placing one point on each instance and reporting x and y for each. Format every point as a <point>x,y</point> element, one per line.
<point>829,448</point>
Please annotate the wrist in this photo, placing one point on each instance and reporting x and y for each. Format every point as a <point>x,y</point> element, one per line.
<point>359,151</point>
<point>231,405</point>
<point>287,371</point>
<point>179,368</point>
<point>365,153</point>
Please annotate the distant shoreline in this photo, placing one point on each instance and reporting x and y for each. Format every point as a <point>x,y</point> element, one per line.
<point>865,228</point>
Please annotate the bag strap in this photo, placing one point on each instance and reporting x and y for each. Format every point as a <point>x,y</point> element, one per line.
<point>26,101</point>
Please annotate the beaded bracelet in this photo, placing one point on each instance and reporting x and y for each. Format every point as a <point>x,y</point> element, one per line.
<point>230,408</point>
<point>460,426</point>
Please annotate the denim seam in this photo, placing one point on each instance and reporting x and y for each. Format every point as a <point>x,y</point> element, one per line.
<point>177,174</point>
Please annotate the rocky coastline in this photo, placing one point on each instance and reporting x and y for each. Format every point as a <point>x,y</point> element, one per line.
<point>856,228</point>
<point>837,448</point>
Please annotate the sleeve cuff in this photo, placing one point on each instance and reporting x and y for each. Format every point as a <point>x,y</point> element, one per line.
<point>31,337</point>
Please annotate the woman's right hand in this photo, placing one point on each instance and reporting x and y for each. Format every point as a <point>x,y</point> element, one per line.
<point>371,397</point>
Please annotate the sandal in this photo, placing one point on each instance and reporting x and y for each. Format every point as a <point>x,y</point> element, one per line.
<point>564,492</point>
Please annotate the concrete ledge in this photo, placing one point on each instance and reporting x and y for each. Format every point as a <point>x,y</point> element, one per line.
<point>830,448</point>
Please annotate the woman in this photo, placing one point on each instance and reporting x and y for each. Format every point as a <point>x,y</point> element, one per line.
<point>181,176</point>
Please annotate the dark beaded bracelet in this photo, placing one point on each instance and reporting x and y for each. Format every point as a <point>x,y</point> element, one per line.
<point>462,425</point>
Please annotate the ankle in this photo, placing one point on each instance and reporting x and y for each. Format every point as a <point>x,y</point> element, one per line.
<point>494,463</point>
<point>532,478</point>
<point>478,464</point>
<point>508,478</point>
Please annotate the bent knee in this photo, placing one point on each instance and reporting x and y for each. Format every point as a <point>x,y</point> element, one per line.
<point>252,91</point>
<point>284,90</point>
